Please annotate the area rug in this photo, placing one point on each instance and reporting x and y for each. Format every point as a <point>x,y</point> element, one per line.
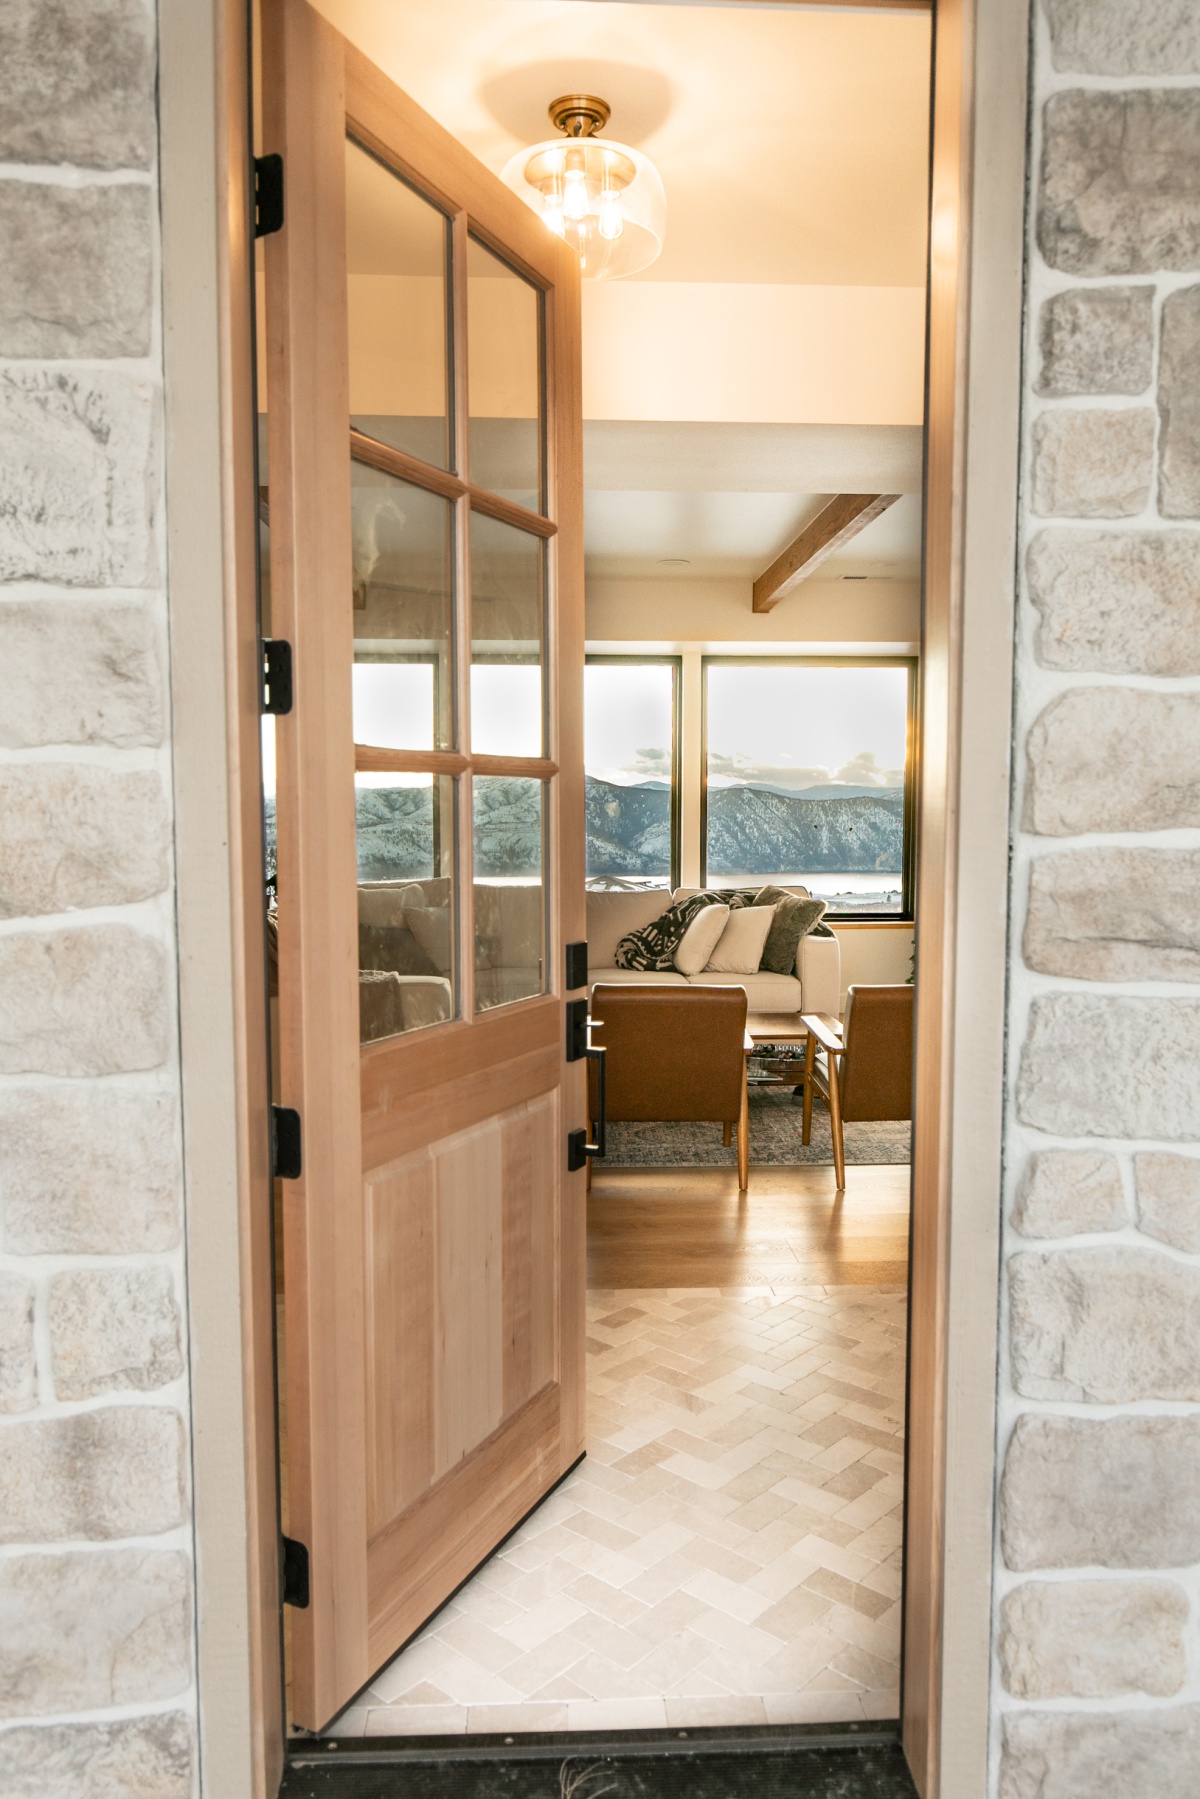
<point>775,1125</point>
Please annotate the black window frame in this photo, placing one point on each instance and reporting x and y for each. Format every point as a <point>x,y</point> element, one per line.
<point>908,867</point>
<point>675,663</point>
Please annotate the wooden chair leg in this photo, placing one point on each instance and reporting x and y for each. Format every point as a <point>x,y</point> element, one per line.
<point>810,1060</point>
<point>727,1133</point>
<point>743,1136</point>
<point>835,1125</point>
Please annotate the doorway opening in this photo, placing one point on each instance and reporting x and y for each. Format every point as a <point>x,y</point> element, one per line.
<point>730,1550</point>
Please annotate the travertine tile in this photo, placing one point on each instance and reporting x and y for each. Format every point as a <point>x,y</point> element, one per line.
<point>725,1555</point>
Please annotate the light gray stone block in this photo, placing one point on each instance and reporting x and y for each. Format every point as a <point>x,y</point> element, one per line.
<point>1065,1192</point>
<point>1093,1639</point>
<point>1168,1200</point>
<point>112,1330</point>
<point>135,1758</point>
<point>1101,1067</point>
<point>1093,463</point>
<point>86,1170</point>
<point>1179,406</point>
<point>87,1629</point>
<point>1115,915</point>
<point>74,835</point>
<point>75,276</point>
<point>1100,1755</point>
<point>1096,340</point>
<point>1114,759</point>
<point>117,1472</point>
<point>78,671</point>
<point>18,1365</point>
<point>1122,602</point>
<point>1124,37</point>
<point>77,477</point>
<point>1104,1326</point>
<point>77,83</point>
<point>1105,1493</point>
<point>1119,192</point>
<point>83,1002</point>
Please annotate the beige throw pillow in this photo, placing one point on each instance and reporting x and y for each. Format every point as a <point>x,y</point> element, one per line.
<point>700,939</point>
<point>740,948</point>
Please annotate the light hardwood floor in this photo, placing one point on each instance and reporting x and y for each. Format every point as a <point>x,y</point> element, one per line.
<point>690,1227</point>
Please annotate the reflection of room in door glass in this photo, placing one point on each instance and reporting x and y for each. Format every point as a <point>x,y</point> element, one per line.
<point>506,709</point>
<point>393,704</point>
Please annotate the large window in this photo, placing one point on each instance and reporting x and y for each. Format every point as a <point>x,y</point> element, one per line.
<point>806,779</point>
<point>631,759</point>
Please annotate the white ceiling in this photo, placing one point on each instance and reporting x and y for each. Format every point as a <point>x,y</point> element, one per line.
<point>793,147</point>
<point>667,535</point>
<point>792,142</point>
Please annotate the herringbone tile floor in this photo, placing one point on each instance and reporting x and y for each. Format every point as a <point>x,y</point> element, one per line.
<point>729,1552</point>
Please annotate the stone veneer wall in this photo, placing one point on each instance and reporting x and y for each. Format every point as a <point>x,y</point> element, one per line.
<point>1097,1676</point>
<point>96,1592</point>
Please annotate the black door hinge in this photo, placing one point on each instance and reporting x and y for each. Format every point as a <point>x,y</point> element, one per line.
<point>276,675</point>
<point>268,195</point>
<point>295,1574</point>
<point>577,965</point>
<point>285,1143</point>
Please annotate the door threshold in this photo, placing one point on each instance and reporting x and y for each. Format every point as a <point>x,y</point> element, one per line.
<point>551,1745</point>
<point>798,1761</point>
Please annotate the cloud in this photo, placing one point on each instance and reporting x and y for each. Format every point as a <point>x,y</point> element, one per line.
<point>652,762</point>
<point>764,774</point>
<point>863,770</point>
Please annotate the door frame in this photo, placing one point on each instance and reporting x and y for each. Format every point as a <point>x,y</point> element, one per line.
<point>976,268</point>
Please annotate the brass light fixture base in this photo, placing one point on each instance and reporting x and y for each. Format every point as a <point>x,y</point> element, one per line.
<point>579,115</point>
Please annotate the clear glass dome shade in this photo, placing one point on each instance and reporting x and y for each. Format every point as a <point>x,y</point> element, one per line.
<point>605,198</point>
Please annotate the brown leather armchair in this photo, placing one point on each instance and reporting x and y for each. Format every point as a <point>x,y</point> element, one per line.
<point>675,1053</point>
<point>868,1068</point>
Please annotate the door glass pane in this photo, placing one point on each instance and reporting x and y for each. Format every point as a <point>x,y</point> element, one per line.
<point>397,246</point>
<point>806,773</point>
<point>507,708</point>
<point>504,360</point>
<point>510,901</point>
<point>406,910</point>
<point>629,762</point>
<point>403,574</point>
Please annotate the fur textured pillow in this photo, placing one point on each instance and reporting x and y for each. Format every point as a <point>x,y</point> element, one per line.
<point>652,949</point>
<point>792,919</point>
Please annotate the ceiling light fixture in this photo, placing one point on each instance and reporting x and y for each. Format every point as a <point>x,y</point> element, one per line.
<point>605,198</point>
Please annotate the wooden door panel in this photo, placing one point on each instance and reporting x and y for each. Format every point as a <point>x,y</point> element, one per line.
<point>434,1248</point>
<point>530,1139</point>
<point>463,1312</point>
<point>389,1133</point>
<point>415,1565</point>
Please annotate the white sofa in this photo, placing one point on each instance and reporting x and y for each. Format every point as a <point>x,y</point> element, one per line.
<point>816,985</point>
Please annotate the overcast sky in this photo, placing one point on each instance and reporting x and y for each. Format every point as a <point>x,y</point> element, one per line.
<point>782,726</point>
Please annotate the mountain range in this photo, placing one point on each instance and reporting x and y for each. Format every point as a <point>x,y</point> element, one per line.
<point>752,830</point>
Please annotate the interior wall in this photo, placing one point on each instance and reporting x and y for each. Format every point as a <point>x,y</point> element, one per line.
<point>807,355</point>
<point>821,613</point>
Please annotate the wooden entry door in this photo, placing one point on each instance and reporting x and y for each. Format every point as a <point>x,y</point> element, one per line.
<point>425,501</point>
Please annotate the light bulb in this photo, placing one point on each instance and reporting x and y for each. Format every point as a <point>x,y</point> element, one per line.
<point>575,197</point>
<point>611,222</point>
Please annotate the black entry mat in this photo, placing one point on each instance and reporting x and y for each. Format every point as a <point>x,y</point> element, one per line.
<point>804,1763</point>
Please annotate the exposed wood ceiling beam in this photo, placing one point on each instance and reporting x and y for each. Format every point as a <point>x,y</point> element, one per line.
<point>844,517</point>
